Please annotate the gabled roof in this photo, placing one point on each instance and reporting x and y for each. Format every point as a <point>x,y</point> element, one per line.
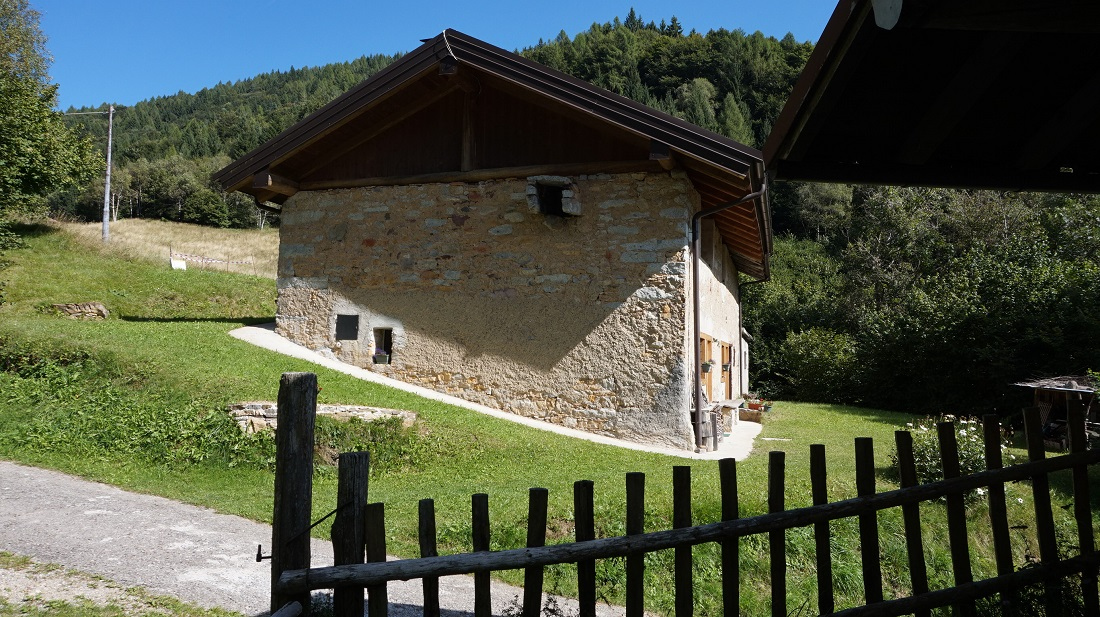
<point>977,93</point>
<point>459,109</point>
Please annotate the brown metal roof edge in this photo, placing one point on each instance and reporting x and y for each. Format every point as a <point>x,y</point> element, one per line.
<point>848,15</point>
<point>702,144</point>
<point>329,116</point>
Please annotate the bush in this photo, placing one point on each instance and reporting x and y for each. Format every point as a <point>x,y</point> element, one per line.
<point>821,366</point>
<point>926,448</point>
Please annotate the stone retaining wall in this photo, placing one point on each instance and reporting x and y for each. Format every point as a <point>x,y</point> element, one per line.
<point>257,416</point>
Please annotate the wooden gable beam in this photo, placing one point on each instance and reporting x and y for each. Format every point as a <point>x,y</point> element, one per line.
<point>273,183</point>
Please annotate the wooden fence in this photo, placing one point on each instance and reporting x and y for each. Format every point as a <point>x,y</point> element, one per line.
<point>360,525</point>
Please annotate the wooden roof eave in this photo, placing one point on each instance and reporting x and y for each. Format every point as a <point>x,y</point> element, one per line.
<point>706,148</point>
<point>329,118</point>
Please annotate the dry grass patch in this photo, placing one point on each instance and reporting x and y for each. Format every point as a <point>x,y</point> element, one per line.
<point>153,240</point>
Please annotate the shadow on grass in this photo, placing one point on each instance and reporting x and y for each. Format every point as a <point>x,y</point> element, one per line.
<point>32,230</point>
<point>244,321</point>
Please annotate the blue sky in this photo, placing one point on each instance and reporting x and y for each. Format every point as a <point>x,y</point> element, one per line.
<point>125,51</point>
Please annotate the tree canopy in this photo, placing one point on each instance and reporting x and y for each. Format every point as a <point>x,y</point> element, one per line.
<point>39,153</point>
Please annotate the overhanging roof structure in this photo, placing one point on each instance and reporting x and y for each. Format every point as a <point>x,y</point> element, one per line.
<point>977,93</point>
<point>457,109</point>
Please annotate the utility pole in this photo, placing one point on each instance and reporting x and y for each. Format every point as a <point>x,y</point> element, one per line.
<point>107,186</point>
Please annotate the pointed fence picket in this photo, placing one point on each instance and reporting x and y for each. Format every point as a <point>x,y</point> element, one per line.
<point>293,579</point>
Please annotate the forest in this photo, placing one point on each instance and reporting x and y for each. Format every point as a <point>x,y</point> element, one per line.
<point>920,299</point>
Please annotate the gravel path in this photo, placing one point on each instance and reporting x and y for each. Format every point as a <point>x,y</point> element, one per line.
<point>170,548</point>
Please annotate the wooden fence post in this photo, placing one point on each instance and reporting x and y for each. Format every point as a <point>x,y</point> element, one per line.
<point>956,514</point>
<point>731,547</point>
<point>868,523</point>
<point>536,536</point>
<point>1044,515</point>
<point>635,524</point>
<point>378,604</point>
<point>777,543</point>
<point>428,549</point>
<point>349,527</point>
<point>681,517</point>
<point>998,509</point>
<point>1082,510</point>
<point>479,513</point>
<point>293,482</point>
<point>910,513</point>
<point>826,602</point>
<point>584,513</point>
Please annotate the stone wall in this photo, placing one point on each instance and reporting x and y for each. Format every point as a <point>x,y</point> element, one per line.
<point>579,319</point>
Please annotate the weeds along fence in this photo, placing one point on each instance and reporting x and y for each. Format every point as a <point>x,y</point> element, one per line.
<point>360,547</point>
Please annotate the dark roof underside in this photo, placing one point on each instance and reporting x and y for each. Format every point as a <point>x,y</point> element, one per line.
<point>458,109</point>
<point>984,93</point>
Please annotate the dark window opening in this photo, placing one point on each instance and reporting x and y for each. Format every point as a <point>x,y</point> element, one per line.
<point>347,327</point>
<point>550,199</point>
<point>383,341</point>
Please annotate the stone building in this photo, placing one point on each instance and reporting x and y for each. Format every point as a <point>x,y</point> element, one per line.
<point>474,222</point>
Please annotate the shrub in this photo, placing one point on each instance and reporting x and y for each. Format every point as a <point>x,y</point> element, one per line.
<point>926,448</point>
<point>822,365</point>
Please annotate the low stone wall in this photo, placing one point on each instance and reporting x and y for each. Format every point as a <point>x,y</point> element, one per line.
<point>257,416</point>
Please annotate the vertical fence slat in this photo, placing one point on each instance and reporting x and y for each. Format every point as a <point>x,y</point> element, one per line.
<point>377,596</point>
<point>998,510</point>
<point>956,513</point>
<point>483,601</point>
<point>1044,516</point>
<point>910,513</point>
<point>777,542</point>
<point>348,541</point>
<point>731,548</point>
<point>293,481</point>
<point>1082,510</point>
<point>826,602</point>
<point>868,522</point>
<point>537,499</point>
<point>635,524</point>
<point>427,531</point>
<point>584,512</point>
<point>681,517</point>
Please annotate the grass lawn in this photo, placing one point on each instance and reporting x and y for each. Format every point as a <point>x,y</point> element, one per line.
<point>138,401</point>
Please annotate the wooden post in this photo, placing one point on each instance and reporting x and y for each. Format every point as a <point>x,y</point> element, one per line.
<point>293,482</point>
<point>914,542</point>
<point>998,510</point>
<point>731,548</point>
<point>868,523</point>
<point>536,536</point>
<point>483,600</point>
<point>956,514</point>
<point>1082,510</point>
<point>635,524</point>
<point>349,527</point>
<point>1044,515</point>
<point>377,597</point>
<point>428,549</point>
<point>681,518</point>
<point>584,513</point>
<point>777,542</point>
<point>826,602</point>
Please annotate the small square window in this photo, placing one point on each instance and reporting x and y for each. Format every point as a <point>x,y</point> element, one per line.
<point>347,327</point>
<point>550,199</point>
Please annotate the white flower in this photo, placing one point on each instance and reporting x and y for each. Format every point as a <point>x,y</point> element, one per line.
<point>981,491</point>
<point>1019,500</point>
<point>909,424</point>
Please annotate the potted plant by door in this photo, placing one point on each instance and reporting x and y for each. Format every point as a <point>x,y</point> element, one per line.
<point>381,357</point>
<point>707,365</point>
